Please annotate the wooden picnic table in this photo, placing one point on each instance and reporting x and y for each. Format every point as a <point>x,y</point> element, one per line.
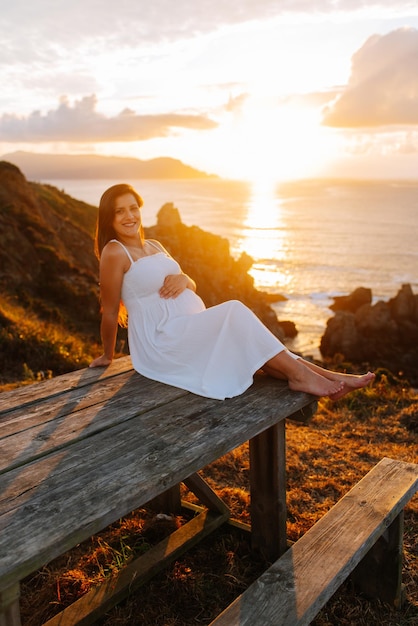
<point>80,451</point>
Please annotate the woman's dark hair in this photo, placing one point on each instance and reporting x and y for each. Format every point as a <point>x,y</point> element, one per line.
<point>104,228</point>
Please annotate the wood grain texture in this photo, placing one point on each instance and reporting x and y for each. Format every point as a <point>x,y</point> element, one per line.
<point>296,586</point>
<point>88,448</point>
<point>27,395</point>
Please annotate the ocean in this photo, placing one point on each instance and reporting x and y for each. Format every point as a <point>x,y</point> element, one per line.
<point>310,240</point>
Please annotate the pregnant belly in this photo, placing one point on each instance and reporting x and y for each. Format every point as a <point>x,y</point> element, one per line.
<point>186,303</point>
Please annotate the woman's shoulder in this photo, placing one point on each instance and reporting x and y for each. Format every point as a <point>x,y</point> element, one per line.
<point>113,248</point>
<point>115,252</point>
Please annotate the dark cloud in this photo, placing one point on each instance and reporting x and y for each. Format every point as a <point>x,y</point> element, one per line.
<point>383,86</point>
<point>81,122</point>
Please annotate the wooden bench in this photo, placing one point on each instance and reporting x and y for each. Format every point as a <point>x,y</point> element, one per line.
<point>361,534</point>
<point>80,451</point>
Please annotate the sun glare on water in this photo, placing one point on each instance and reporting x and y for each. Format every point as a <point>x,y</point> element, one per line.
<point>275,144</point>
<point>264,235</point>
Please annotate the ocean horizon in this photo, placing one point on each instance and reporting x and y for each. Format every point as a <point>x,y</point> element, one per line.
<point>311,240</point>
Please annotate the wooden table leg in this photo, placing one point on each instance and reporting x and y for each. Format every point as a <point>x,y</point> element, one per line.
<point>268,492</point>
<point>167,502</point>
<point>379,574</point>
<point>9,606</point>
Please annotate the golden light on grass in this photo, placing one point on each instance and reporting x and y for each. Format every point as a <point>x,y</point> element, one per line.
<point>39,342</point>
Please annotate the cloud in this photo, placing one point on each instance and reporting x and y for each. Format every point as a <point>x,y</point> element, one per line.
<point>235,103</point>
<point>81,122</point>
<point>383,86</point>
<point>30,29</point>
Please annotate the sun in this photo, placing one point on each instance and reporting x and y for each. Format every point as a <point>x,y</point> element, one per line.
<point>279,142</point>
<point>274,144</point>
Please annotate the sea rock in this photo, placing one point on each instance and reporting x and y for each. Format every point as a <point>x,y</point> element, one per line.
<point>353,301</point>
<point>405,305</point>
<point>168,216</point>
<point>384,334</point>
<point>289,328</point>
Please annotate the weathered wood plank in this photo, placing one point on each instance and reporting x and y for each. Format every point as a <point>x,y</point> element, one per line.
<point>143,436</point>
<point>29,394</point>
<point>305,414</point>
<point>68,495</point>
<point>90,607</point>
<point>296,586</point>
<point>48,409</point>
<point>25,440</point>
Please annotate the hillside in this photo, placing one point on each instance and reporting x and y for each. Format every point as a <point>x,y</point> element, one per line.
<point>48,278</point>
<point>62,166</point>
<point>49,302</point>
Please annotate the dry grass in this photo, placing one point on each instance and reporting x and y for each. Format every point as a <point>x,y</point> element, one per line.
<point>325,459</point>
<point>33,349</point>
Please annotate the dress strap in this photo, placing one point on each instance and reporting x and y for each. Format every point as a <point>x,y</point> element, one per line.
<point>125,248</point>
<point>154,245</point>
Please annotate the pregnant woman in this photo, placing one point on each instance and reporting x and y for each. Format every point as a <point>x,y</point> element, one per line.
<point>173,337</point>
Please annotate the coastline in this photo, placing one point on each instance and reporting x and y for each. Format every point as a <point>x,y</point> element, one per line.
<point>311,240</point>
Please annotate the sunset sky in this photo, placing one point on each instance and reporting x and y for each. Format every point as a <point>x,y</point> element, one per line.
<point>241,88</point>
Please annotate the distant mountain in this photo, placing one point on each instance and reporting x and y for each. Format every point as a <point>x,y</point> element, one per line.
<point>89,166</point>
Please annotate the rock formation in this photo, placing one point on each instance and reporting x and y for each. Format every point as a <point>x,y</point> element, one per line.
<point>383,334</point>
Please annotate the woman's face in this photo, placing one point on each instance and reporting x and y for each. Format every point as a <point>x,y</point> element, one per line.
<point>127,216</point>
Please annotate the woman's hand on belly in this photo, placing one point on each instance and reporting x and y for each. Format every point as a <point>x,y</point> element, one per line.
<point>174,285</point>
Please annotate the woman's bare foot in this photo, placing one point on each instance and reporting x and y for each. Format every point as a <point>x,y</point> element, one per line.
<point>351,382</point>
<point>301,376</point>
<point>305,376</point>
<point>310,382</point>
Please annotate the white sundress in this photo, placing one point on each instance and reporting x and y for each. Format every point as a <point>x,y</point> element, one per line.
<point>211,352</point>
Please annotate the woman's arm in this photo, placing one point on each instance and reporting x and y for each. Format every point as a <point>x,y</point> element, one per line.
<point>112,269</point>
